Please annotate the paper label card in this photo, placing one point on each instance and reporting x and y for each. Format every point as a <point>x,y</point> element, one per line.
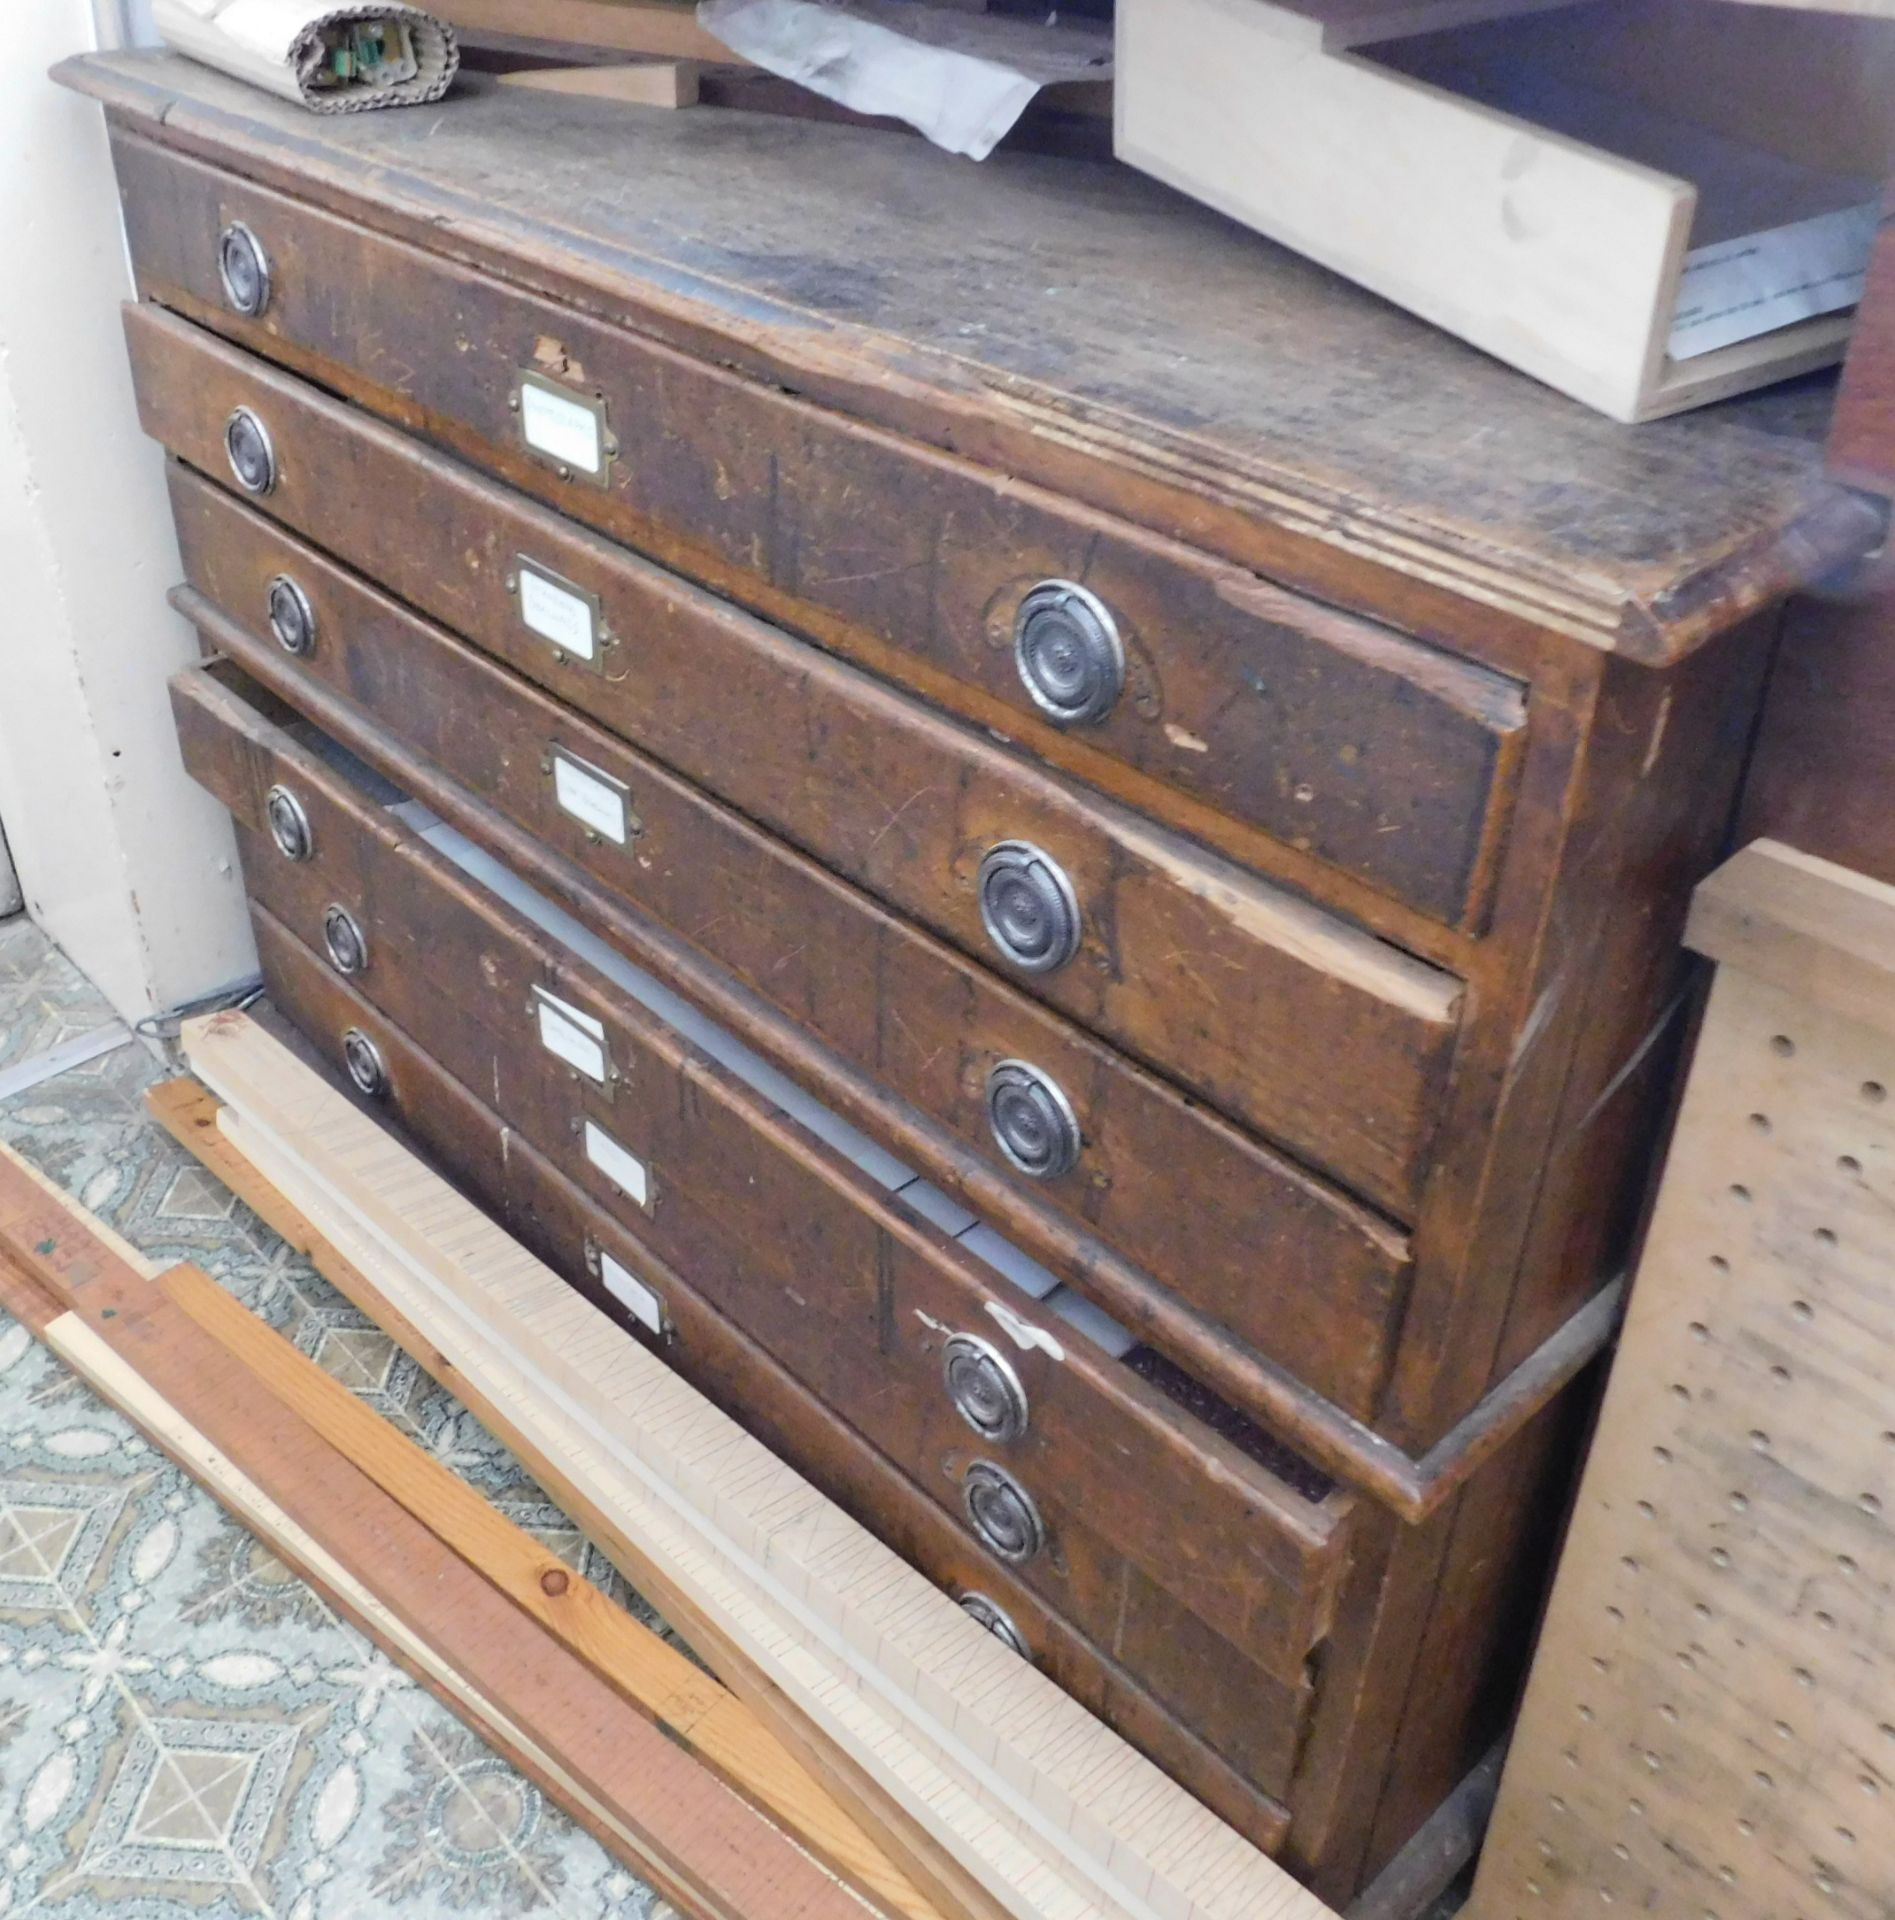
<point>593,798</point>
<point>625,1170</point>
<point>557,611</point>
<point>563,427</point>
<point>572,1035</point>
<point>631,1293</point>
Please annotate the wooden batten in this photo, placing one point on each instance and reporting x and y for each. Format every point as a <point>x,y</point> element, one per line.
<point>588,1727</point>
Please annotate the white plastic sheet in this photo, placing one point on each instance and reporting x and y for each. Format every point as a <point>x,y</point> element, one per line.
<point>963,79</point>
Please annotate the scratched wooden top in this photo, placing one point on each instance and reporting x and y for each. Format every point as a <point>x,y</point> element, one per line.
<point>1075,323</point>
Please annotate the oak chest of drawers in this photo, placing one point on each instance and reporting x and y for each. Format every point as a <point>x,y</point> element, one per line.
<point>1048,845</point>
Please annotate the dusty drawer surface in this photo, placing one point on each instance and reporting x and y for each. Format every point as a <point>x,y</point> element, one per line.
<point>1102,1494</point>
<point>1286,1018</point>
<point>1073,325</point>
<point>1383,757</point>
<point>1298,1270</point>
<point>1235,1748</point>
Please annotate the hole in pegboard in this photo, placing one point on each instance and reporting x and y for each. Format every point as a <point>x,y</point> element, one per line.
<point>1849,1164</point>
<point>1719,1264</point>
<point>1874,1092</point>
<point>1781,1043</point>
<point>1739,1192</point>
<point>1760,1123</point>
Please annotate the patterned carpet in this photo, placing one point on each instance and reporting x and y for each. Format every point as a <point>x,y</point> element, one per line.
<point>185,1729</point>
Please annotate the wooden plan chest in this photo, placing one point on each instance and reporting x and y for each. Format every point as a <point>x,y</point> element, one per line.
<point>1048,845</point>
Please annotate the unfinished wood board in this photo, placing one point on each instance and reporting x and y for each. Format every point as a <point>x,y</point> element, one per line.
<point>628,26</point>
<point>643,1797</point>
<point>637,1663</point>
<point>1710,1724</point>
<point>1050,1811</point>
<point>645,83</point>
<point>1540,242</point>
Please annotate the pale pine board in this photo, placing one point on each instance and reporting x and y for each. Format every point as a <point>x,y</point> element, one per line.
<point>1710,1724</point>
<point>1051,1811</point>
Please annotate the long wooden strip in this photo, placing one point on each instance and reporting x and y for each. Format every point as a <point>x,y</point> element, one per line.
<point>861,1646</point>
<point>644,1669</point>
<point>639,1793</point>
<point>913,1807</point>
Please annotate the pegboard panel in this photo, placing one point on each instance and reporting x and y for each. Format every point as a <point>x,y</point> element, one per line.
<point>1709,1730</point>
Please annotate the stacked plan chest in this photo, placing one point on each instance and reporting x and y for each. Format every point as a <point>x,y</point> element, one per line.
<point>1047,844</point>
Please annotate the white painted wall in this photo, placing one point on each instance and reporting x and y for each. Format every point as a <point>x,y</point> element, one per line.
<point>125,862</point>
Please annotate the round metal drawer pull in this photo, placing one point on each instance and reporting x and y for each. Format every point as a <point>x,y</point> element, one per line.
<point>289,824</point>
<point>244,268</point>
<point>994,1618</point>
<point>1002,1512</point>
<point>1028,906</point>
<point>363,1058</point>
<point>986,1391</point>
<point>347,944</point>
<point>251,455</point>
<point>1066,646</point>
<point>292,618</point>
<point>1032,1120</point>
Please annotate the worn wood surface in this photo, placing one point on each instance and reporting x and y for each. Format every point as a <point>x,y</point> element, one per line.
<point>1710,1725</point>
<point>1304,1275</point>
<point>645,1670</point>
<point>928,1026</point>
<point>1862,442</point>
<point>1028,314</point>
<point>1033,1800</point>
<point>891,552</point>
<point>1282,1015</point>
<point>1142,1506</point>
<point>1225,1745</point>
<point>1826,739</point>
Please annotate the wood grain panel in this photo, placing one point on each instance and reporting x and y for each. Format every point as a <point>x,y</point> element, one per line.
<point>1232,1745</point>
<point>755,1208</point>
<point>1214,978</point>
<point>1303,1274</point>
<point>1384,757</point>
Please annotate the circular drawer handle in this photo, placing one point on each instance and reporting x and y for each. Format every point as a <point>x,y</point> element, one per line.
<point>363,1058</point>
<point>995,1619</point>
<point>347,944</point>
<point>1067,648</point>
<point>289,824</point>
<point>986,1391</point>
<point>292,618</point>
<point>1002,1512</point>
<point>252,456</point>
<point>244,268</point>
<point>1028,906</point>
<point>1032,1120</point>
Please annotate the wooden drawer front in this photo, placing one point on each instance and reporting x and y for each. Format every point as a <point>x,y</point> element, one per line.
<point>1146,1676</point>
<point>1383,757</point>
<point>1862,442</point>
<point>1310,1031</point>
<point>1199,1205</point>
<point>847,1286</point>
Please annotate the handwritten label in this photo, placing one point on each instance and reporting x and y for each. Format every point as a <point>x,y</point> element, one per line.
<point>631,1293</point>
<point>573,1036</point>
<point>625,1170</point>
<point>561,427</point>
<point>593,798</point>
<point>557,613</point>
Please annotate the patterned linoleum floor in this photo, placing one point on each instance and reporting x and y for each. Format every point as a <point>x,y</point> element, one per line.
<point>186,1731</point>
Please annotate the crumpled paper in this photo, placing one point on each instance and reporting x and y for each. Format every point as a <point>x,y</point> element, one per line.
<point>963,79</point>
<point>286,46</point>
